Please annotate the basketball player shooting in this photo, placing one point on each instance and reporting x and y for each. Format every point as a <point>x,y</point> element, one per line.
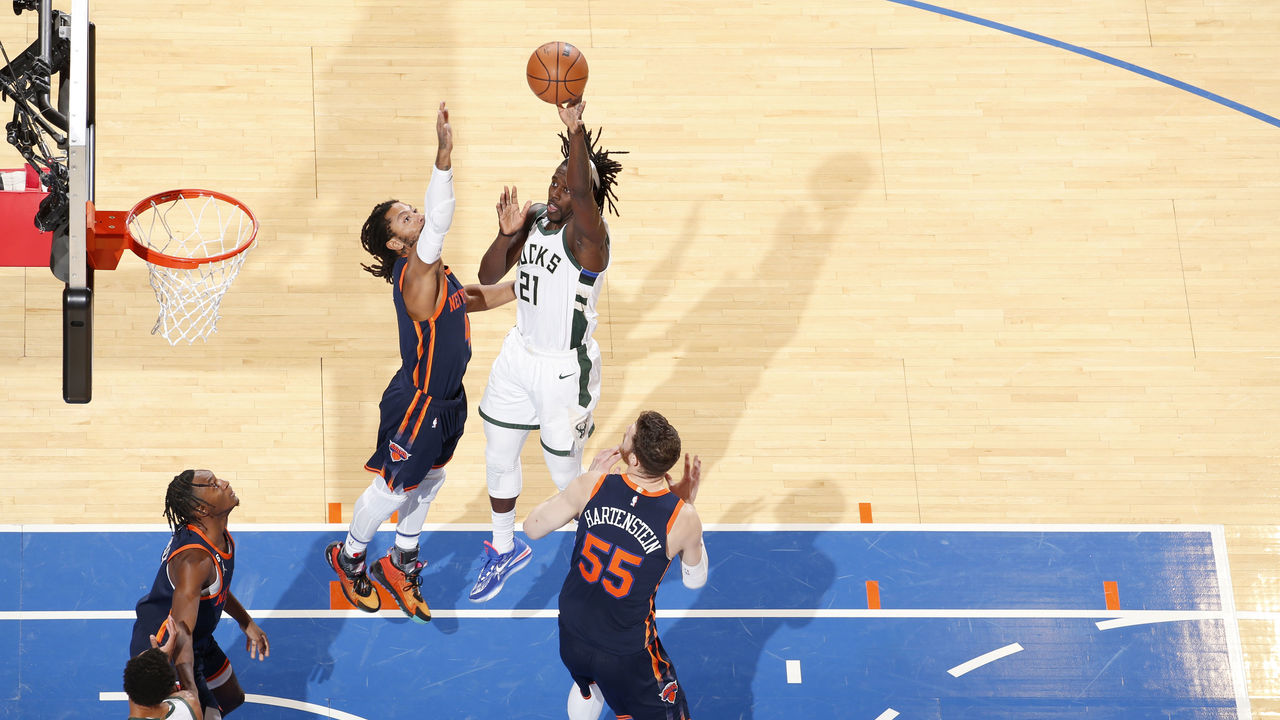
<point>547,375</point>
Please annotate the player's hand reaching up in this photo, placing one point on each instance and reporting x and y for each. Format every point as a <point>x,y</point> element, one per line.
<point>687,488</point>
<point>571,114</point>
<point>510,214</point>
<point>444,138</point>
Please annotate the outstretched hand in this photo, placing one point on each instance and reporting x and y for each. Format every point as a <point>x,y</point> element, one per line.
<point>444,138</point>
<point>687,488</point>
<point>571,114</point>
<point>510,215</point>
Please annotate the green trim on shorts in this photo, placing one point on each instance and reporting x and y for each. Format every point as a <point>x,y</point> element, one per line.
<point>499,423</point>
<point>557,453</point>
<point>584,376</point>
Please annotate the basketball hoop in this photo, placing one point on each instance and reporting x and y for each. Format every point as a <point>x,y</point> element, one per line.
<point>194,243</point>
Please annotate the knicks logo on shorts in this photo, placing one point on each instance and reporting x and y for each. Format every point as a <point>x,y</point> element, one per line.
<point>398,454</point>
<point>668,693</point>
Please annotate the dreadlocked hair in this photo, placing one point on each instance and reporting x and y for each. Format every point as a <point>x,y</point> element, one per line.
<point>180,502</point>
<point>606,167</point>
<point>374,236</point>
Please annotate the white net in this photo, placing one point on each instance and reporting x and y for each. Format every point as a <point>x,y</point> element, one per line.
<point>201,227</point>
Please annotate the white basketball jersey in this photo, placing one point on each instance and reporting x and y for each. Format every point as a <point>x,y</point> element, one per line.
<point>178,709</point>
<point>556,308</point>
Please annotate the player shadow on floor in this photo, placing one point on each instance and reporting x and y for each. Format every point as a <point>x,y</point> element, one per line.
<point>718,660</point>
<point>776,291</point>
<point>301,665</point>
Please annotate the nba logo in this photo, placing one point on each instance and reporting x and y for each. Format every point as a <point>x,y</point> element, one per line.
<point>634,498</point>
<point>398,454</point>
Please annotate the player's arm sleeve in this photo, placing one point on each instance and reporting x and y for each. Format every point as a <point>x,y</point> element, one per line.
<point>695,576</point>
<point>438,206</point>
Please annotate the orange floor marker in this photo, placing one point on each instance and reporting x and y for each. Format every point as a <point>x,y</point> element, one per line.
<point>395,517</point>
<point>335,512</point>
<point>864,512</point>
<point>873,595</point>
<point>1111,591</point>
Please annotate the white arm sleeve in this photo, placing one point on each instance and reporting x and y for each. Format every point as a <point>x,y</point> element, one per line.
<point>694,576</point>
<point>439,204</point>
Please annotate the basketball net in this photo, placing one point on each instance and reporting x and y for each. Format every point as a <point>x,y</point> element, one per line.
<point>210,232</point>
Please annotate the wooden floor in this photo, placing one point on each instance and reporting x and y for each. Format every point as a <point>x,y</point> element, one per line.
<point>867,254</point>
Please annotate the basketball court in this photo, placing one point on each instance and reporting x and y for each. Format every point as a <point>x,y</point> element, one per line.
<point>860,621</point>
<point>969,308</point>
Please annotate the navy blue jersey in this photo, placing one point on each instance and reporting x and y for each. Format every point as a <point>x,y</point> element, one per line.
<point>618,560</point>
<point>153,608</point>
<point>434,353</point>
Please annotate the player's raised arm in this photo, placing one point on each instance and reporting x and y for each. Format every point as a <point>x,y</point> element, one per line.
<point>514,222</point>
<point>423,275</point>
<point>685,539</point>
<point>591,234</point>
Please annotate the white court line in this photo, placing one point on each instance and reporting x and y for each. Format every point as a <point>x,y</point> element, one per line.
<point>1250,615</point>
<point>755,527</point>
<point>983,659</point>
<point>888,714</point>
<point>1145,618</point>
<point>272,700</point>
<point>1235,651</point>
<point>793,672</point>
<point>1131,618</point>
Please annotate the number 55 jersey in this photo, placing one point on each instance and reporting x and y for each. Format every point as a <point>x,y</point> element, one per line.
<point>619,558</point>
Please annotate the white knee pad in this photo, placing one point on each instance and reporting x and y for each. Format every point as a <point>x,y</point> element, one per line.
<point>414,507</point>
<point>502,460</point>
<point>563,469</point>
<point>373,508</point>
<point>581,708</point>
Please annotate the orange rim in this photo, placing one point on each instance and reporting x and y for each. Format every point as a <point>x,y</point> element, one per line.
<point>156,257</point>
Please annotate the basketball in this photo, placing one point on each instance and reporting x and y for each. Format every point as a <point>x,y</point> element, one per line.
<point>557,72</point>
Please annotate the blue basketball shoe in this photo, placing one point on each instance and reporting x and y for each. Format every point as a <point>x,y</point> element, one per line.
<point>498,567</point>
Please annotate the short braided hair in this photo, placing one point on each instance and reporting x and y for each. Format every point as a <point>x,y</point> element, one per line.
<point>181,502</point>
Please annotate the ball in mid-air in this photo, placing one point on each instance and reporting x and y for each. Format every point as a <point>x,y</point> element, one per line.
<point>557,72</point>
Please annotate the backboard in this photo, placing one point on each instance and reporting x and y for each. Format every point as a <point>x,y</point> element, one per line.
<point>56,138</point>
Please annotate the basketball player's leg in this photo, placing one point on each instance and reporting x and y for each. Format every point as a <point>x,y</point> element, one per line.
<point>400,409</point>
<point>586,699</point>
<point>566,401</point>
<point>399,571</point>
<point>644,685</point>
<point>220,679</point>
<point>508,413</point>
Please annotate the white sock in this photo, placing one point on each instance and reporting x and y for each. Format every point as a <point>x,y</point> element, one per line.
<point>504,531</point>
<point>585,708</point>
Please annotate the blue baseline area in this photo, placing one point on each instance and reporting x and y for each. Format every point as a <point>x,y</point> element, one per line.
<point>733,667</point>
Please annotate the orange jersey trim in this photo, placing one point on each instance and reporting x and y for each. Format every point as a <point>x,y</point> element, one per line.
<point>642,491</point>
<point>674,514</point>
<point>230,544</point>
<point>596,489</point>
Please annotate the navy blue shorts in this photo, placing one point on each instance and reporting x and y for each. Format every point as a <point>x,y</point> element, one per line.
<point>211,666</point>
<point>416,433</point>
<point>641,685</point>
